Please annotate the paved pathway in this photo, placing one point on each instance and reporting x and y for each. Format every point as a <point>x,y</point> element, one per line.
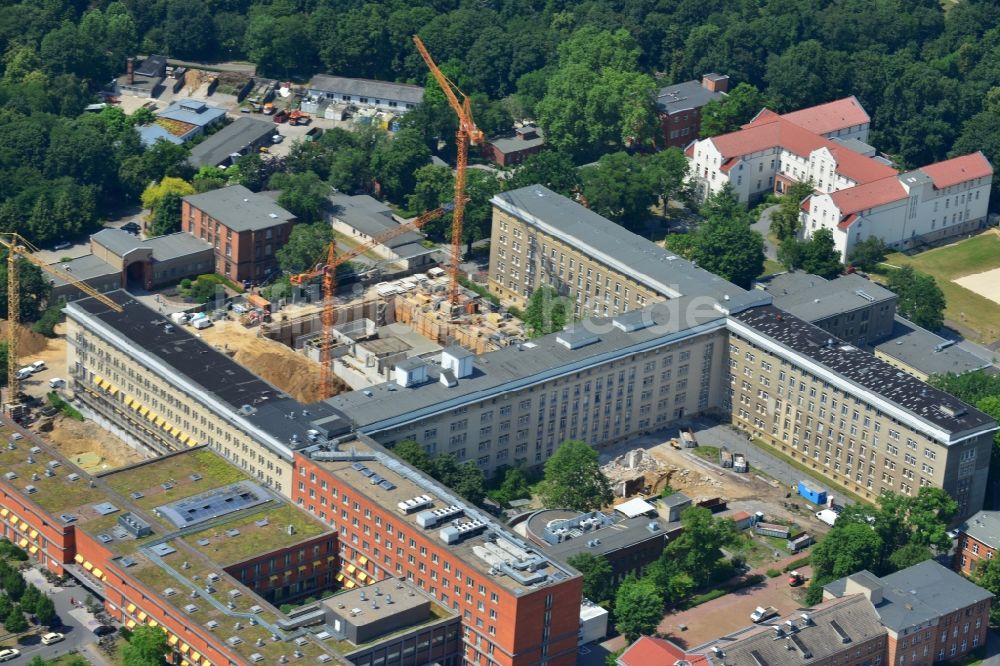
<point>763,226</point>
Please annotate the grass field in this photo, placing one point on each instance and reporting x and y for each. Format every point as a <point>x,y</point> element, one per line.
<point>978,316</point>
<point>771,267</point>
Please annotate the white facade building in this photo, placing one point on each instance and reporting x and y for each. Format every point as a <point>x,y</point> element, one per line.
<point>857,193</point>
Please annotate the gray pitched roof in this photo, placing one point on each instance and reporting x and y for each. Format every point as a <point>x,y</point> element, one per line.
<point>813,298</point>
<point>512,142</point>
<point>984,527</point>
<point>117,241</point>
<point>240,209</point>
<point>192,111</point>
<point>917,594</point>
<point>382,90</point>
<point>164,248</point>
<point>86,267</point>
<point>686,95</point>
<point>370,217</point>
<point>620,249</point>
<point>927,352</point>
<point>234,138</point>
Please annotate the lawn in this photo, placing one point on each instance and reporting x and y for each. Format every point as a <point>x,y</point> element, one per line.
<point>771,268</point>
<point>146,478</point>
<point>253,539</point>
<point>709,453</point>
<point>979,315</point>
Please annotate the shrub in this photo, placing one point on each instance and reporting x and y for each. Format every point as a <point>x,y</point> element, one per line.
<point>773,573</point>
<point>792,566</point>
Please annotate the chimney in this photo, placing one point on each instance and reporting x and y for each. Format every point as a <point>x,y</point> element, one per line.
<point>715,82</point>
<point>130,70</point>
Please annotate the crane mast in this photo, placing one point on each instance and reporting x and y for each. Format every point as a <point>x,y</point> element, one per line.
<point>467,134</point>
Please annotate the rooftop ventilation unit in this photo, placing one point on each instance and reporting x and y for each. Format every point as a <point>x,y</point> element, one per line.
<point>434,517</point>
<point>461,531</point>
<point>633,321</point>
<point>952,411</point>
<point>415,504</point>
<point>576,338</point>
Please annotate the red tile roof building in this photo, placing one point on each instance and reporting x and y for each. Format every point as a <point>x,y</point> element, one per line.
<point>858,193</point>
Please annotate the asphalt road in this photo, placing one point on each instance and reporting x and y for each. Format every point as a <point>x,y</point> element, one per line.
<point>763,226</point>
<point>72,621</point>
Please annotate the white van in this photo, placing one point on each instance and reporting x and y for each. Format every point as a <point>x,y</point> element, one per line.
<point>201,322</point>
<point>37,366</point>
<point>828,516</point>
<point>57,382</point>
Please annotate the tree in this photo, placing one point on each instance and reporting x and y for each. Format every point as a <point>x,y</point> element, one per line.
<point>306,247</point>
<point>45,611</point>
<point>302,194</point>
<point>413,453</point>
<point>188,30</point>
<point>598,581</point>
<point>395,162</point>
<point>464,478</point>
<point>513,487</point>
<point>14,622</point>
<point>919,298</point>
<point>573,478</point>
<point>433,185</point>
<point>785,221</point>
<point>13,584</point>
<point>166,218</point>
<point>35,289</point>
<point>638,607</point>
<point>552,168</point>
<point>816,255</point>
<point>972,387</point>
<point>546,313</point>
<point>987,576</point>
<point>252,171</point>
<point>727,114</point>
<point>620,188</point>
<point>868,254</point>
<point>723,245</point>
<point>147,646</point>
<point>155,193</point>
<point>847,549</point>
<point>908,555</point>
<point>695,553</point>
<point>209,178</point>
<point>666,171</point>
<point>29,600</point>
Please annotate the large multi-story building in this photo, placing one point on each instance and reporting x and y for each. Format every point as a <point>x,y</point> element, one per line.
<point>163,389</point>
<point>858,194</point>
<point>922,615</point>
<point>245,228</point>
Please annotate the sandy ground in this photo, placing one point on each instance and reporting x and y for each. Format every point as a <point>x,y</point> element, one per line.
<point>986,284</point>
<point>89,445</point>
<point>278,364</point>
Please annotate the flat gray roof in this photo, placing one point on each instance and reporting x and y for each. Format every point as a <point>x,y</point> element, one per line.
<point>882,385</point>
<point>618,248</point>
<point>239,209</point>
<point>370,217</point>
<point>918,594</point>
<point>381,90</point>
<point>813,298</point>
<point>232,138</point>
<point>984,527</point>
<point>86,267</point>
<point>512,141</point>
<point>927,352</point>
<point>518,366</point>
<point>686,95</point>
<point>405,596</point>
<point>192,111</point>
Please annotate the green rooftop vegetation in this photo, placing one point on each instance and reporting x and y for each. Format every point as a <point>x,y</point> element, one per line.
<point>253,539</point>
<point>148,478</point>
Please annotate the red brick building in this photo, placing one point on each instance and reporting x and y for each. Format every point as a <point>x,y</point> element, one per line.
<point>679,107</point>
<point>511,616</point>
<point>246,229</point>
<point>978,540</point>
<point>515,147</point>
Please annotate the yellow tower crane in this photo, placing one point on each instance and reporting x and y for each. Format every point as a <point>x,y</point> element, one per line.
<point>17,247</point>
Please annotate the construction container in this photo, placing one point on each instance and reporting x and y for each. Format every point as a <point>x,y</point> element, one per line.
<point>812,493</point>
<point>740,463</point>
<point>687,437</point>
<point>725,457</point>
<point>772,530</point>
<point>800,542</point>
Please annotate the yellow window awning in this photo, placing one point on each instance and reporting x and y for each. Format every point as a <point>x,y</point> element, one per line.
<point>113,389</point>
<point>349,584</point>
<point>4,512</point>
<point>23,543</point>
<point>87,565</point>
<point>273,578</point>
<point>78,558</point>
<point>153,623</point>
<point>340,578</point>
<point>142,616</point>
<point>130,608</point>
<point>195,657</point>
<point>98,380</point>
<point>302,567</point>
<point>317,563</point>
<point>33,534</point>
<point>362,560</point>
<point>185,662</point>
<point>33,550</point>
<point>175,431</point>
<point>129,624</point>
<point>351,568</point>
<point>97,573</point>
<point>159,421</point>
<point>172,640</point>
<point>185,648</point>
<point>129,402</point>
<point>143,410</point>
<point>362,576</point>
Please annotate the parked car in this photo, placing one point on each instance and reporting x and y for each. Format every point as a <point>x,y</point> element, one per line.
<point>131,228</point>
<point>37,366</point>
<point>52,637</point>
<point>9,653</point>
<point>795,579</point>
<point>24,372</point>
<point>57,382</point>
<point>277,138</point>
<point>761,613</point>
<point>62,245</point>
